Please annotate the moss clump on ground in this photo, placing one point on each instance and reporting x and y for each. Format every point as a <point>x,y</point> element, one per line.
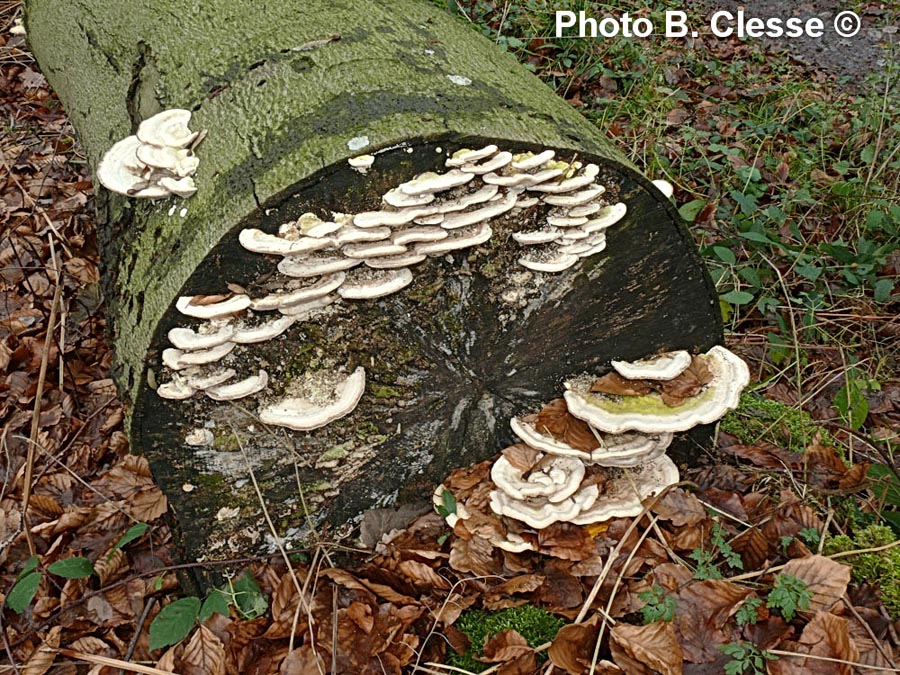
<point>535,624</point>
<point>881,569</point>
<point>760,419</point>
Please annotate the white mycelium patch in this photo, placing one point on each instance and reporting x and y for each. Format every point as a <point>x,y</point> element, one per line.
<point>367,255</point>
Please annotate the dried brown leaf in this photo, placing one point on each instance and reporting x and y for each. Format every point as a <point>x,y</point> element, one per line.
<point>522,457</point>
<point>825,578</point>
<point>826,636</point>
<point>43,657</point>
<point>555,419</point>
<point>680,508</point>
<point>204,654</point>
<point>304,661</point>
<point>423,576</point>
<point>645,650</point>
<point>504,646</point>
<point>616,385</point>
<point>475,555</point>
<point>573,647</point>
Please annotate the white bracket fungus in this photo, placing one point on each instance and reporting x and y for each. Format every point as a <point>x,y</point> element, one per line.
<point>318,408</point>
<point>154,163</point>
<point>556,478</point>
<point>433,213</point>
<point>621,450</point>
<point>246,387</point>
<point>665,366</point>
<point>665,187</point>
<point>190,306</point>
<point>648,413</point>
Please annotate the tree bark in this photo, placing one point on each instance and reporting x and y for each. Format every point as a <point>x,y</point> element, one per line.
<point>283,88</point>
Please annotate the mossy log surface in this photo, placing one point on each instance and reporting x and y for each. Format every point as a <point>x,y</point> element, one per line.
<point>283,88</point>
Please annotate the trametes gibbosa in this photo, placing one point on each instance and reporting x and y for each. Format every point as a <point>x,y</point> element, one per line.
<point>156,162</point>
<point>372,254</point>
<point>597,453</point>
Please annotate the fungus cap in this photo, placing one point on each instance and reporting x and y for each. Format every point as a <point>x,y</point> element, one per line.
<point>176,390</point>
<point>606,217</point>
<point>302,414</point>
<point>258,241</point>
<point>622,494</point>
<point>120,170</point>
<point>543,236</point>
<point>665,187</point>
<point>466,156</point>
<point>323,286</point>
<point>551,262</point>
<point>458,239</point>
<point>268,330</point>
<point>539,512</point>
<point>665,366</point>
<point>168,128</point>
<point>376,284</point>
<point>558,478</point>
<point>621,450</point>
<point>615,414</point>
<point>303,266</point>
<point>215,310</point>
<point>209,335</point>
<point>246,387</point>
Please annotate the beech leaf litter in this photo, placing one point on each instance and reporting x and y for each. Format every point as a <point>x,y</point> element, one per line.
<point>729,567</point>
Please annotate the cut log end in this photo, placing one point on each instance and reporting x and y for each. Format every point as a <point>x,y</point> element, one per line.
<point>470,338</point>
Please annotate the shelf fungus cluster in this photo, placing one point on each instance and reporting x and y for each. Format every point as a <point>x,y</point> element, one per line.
<point>595,454</point>
<point>157,161</point>
<point>325,261</point>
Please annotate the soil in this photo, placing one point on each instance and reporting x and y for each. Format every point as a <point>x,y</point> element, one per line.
<point>854,58</point>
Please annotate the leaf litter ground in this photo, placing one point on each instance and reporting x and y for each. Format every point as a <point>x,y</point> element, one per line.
<point>737,569</point>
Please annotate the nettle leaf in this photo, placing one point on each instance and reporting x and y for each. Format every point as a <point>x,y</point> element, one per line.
<point>134,532</point>
<point>174,622</point>
<point>22,592</point>
<point>72,568</point>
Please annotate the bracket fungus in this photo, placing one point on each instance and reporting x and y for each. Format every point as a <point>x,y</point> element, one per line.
<point>646,409</point>
<point>600,451</point>
<point>322,401</point>
<point>156,162</point>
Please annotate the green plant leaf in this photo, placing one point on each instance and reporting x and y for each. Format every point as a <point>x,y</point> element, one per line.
<point>248,596</point>
<point>216,603</point>
<point>134,532</point>
<point>174,622</point>
<point>72,568</point>
<point>758,237</point>
<point>883,290</point>
<point>30,566</point>
<point>852,405</point>
<point>691,209</point>
<point>738,297</point>
<point>886,486</point>
<point>22,592</point>
<point>726,255</point>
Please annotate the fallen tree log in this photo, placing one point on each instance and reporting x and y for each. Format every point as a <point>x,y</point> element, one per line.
<point>481,330</point>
